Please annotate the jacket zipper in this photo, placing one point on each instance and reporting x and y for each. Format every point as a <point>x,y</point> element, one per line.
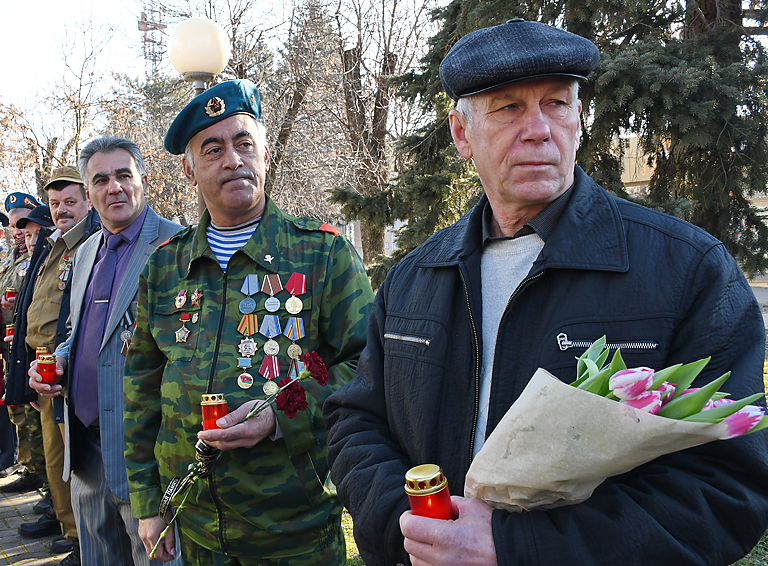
<point>477,366</point>
<point>215,499</point>
<point>405,338</point>
<point>564,344</point>
<point>477,371</point>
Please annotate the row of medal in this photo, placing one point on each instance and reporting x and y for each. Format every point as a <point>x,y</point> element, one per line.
<point>270,367</point>
<point>271,285</point>
<point>270,327</point>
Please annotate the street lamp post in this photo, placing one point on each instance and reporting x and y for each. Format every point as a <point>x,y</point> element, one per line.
<point>199,50</point>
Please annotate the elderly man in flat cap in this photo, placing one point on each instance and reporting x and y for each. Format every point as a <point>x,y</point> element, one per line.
<point>226,309</point>
<point>546,263</point>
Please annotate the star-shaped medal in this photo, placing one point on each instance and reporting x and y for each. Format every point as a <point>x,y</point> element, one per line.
<point>182,334</point>
<point>247,347</point>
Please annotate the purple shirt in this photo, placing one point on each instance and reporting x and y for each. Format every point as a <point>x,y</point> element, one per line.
<point>130,236</point>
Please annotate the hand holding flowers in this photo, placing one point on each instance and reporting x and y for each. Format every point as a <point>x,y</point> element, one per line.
<point>559,441</point>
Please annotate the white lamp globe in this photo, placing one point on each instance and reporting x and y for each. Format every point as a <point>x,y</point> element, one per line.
<point>199,49</point>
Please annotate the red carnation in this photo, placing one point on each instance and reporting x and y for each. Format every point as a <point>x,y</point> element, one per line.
<point>293,399</point>
<point>316,367</point>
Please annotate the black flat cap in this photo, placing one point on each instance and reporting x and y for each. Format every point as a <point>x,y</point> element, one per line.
<point>514,51</point>
<point>40,214</point>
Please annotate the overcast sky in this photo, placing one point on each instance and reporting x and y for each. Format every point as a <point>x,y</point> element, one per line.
<point>35,30</point>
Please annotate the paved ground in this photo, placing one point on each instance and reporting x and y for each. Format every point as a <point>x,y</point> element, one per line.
<point>16,508</point>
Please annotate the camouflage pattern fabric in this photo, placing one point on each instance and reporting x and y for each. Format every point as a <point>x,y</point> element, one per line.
<point>11,275</point>
<point>194,555</point>
<point>17,414</point>
<point>35,439</point>
<point>274,500</point>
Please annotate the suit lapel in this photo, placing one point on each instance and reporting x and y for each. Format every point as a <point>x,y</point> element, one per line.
<point>129,285</point>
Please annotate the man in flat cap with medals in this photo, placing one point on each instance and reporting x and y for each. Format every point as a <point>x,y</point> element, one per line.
<point>225,309</point>
<point>546,260</point>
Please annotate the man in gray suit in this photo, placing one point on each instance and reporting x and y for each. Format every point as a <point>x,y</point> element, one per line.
<point>105,276</point>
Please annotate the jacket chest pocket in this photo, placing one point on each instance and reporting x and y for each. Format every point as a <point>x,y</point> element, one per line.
<point>176,329</point>
<point>642,343</point>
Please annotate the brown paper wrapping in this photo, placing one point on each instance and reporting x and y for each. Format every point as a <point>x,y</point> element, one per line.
<point>556,444</point>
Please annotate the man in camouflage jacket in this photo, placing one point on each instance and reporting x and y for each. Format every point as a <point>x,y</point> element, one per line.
<point>268,498</point>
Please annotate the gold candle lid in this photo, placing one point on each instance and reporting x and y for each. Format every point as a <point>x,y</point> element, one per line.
<point>46,359</point>
<point>10,326</point>
<point>41,350</point>
<point>11,289</point>
<point>212,399</point>
<point>424,480</point>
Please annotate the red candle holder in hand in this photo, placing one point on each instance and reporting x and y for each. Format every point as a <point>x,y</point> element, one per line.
<point>46,367</point>
<point>9,329</point>
<point>214,407</point>
<point>10,293</point>
<point>428,493</point>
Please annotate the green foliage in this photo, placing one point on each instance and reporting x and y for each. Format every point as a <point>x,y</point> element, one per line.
<point>697,99</point>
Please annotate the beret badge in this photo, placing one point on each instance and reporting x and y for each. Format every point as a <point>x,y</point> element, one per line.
<point>13,199</point>
<point>215,107</point>
<point>29,202</point>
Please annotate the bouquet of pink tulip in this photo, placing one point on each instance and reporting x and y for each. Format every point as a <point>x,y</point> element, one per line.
<point>666,393</point>
<point>559,441</point>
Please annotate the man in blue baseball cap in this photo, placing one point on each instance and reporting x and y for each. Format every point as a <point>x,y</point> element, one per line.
<point>546,263</point>
<point>246,262</point>
<point>13,271</point>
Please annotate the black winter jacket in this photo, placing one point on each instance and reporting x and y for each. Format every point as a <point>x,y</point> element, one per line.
<point>664,289</point>
<point>17,389</point>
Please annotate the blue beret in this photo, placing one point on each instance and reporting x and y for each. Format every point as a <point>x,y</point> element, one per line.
<point>514,51</point>
<point>215,104</point>
<point>20,200</point>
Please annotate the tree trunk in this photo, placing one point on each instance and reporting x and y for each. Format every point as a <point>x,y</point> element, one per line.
<point>372,239</point>
<point>285,132</point>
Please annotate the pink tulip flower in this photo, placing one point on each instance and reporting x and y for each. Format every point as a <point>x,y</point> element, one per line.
<point>719,403</point>
<point>650,402</point>
<point>666,389</point>
<point>741,422</point>
<point>631,383</point>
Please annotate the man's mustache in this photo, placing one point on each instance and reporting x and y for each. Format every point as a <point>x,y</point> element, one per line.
<point>64,215</point>
<point>239,175</point>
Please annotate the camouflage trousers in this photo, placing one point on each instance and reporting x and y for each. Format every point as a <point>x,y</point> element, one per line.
<point>194,555</point>
<point>30,432</point>
<point>35,438</point>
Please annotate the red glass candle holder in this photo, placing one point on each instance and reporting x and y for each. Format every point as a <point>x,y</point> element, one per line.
<point>427,490</point>
<point>40,352</point>
<point>214,407</point>
<point>46,367</point>
<point>10,293</point>
<point>9,329</point>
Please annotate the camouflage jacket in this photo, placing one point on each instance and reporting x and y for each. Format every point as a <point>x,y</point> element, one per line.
<point>12,274</point>
<point>275,499</point>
